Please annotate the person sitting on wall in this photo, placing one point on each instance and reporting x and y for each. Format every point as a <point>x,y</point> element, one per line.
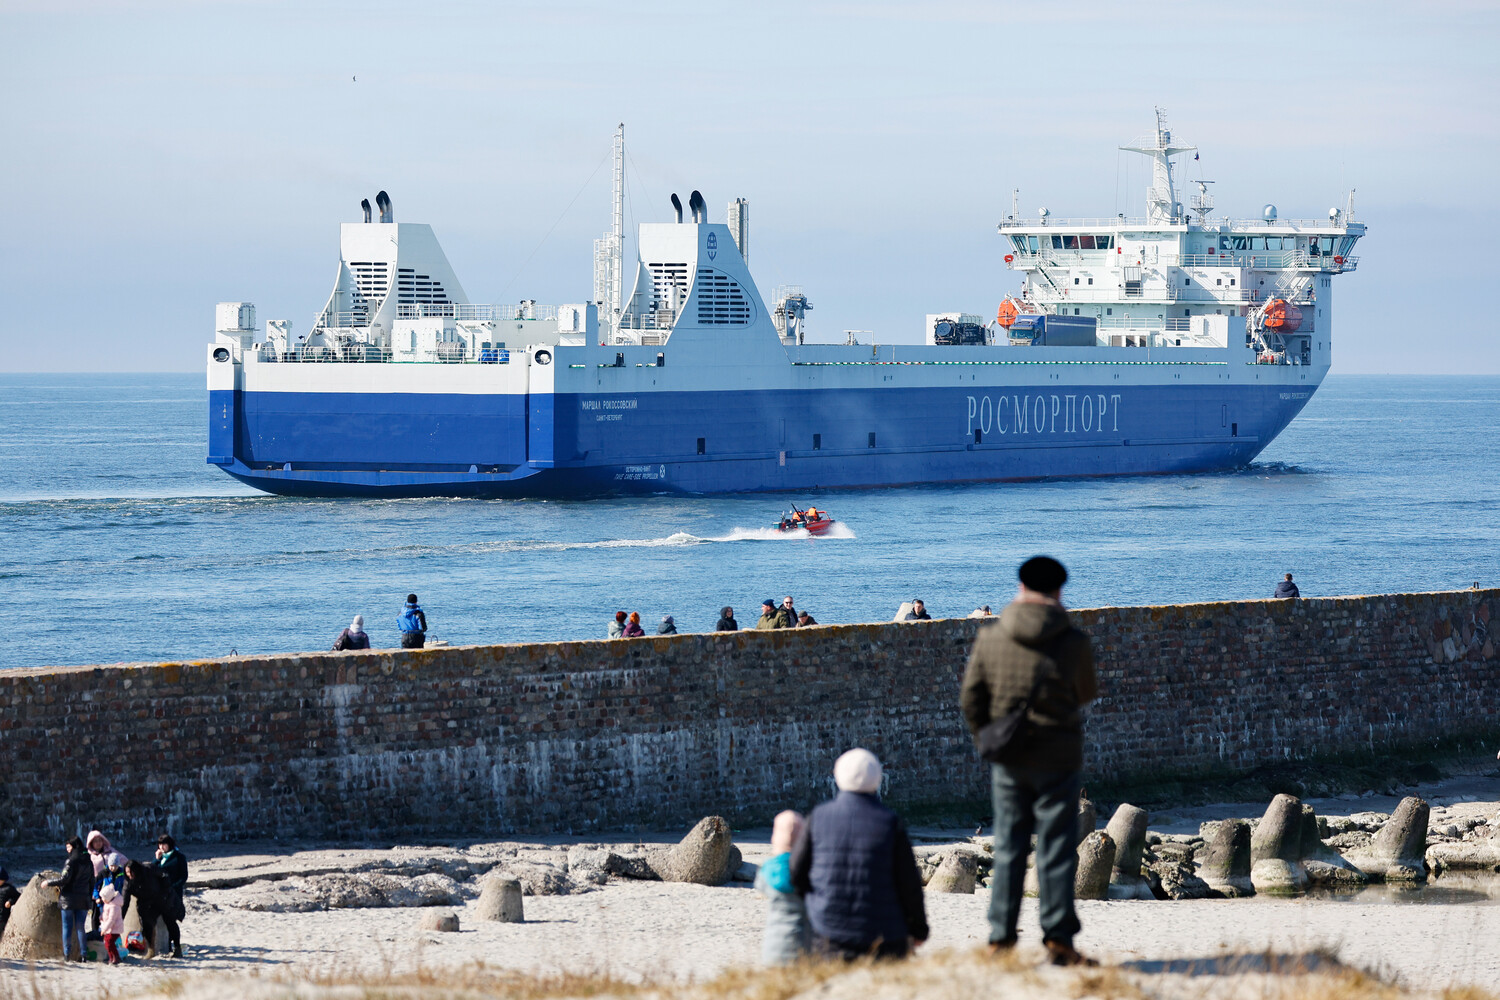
<point>413,624</point>
<point>667,626</point>
<point>1287,589</point>
<point>354,636</point>
<point>918,612</point>
<point>854,864</point>
<point>804,619</point>
<point>633,626</point>
<point>617,627</point>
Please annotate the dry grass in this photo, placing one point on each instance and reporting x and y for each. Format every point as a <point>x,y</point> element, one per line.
<point>949,975</point>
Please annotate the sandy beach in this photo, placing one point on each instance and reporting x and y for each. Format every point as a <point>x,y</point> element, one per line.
<point>1432,938</point>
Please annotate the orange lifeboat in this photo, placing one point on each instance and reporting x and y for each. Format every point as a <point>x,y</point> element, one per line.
<point>1007,313</point>
<point>1282,317</point>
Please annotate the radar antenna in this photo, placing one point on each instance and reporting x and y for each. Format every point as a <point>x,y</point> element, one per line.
<point>1161,197</point>
<point>1203,202</point>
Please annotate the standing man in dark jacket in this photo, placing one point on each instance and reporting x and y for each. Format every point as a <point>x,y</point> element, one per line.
<point>1286,588</point>
<point>854,864</point>
<point>1033,655</point>
<point>75,897</point>
<point>726,620</point>
<point>174,871</point>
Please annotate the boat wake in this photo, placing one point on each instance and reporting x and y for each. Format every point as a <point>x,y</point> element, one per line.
<point>838,530</point>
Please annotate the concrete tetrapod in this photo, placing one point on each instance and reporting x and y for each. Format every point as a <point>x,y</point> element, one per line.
<point>440,920</point>
<point>1096,864</point>
<point>500,900</point>
<point>1396,852</point>
<point>1324,865</point>
<point>1276,849</point>
<point>957,874</point>
<point>1088,818</point>
<point>1127,828</point>
<point>702,856</point>
<point>1226,860</point>
<point>35,928</point>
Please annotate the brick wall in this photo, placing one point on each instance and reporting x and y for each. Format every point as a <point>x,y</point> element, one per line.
<point>656,732</point>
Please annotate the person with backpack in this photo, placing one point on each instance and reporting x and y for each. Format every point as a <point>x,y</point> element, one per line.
<point>173,866</point>
<point>145,887</point>
<point>75,888</point>
<point>413,624</point>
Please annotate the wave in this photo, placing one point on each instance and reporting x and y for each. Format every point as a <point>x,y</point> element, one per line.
<point>508,546</point>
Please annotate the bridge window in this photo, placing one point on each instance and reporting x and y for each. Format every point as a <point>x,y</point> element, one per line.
<point>1032,244</point>
<point>1257,243</point>
<point>1273,242</point>
<point>1327,244</point>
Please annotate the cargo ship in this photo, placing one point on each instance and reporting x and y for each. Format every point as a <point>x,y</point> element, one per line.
<point>1178,342</point>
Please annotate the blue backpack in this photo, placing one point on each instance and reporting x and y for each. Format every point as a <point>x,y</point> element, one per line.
<point>409,622</point>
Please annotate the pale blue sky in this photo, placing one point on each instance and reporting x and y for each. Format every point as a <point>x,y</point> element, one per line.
<point>161,157</point>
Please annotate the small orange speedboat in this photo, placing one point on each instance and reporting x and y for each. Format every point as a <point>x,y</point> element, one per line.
<point>812,520</point>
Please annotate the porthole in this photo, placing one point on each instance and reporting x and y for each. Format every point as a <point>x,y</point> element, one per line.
<point>221,354</point>
<point>544,357</point>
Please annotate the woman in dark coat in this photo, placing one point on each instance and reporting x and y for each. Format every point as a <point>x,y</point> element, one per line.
<point>147,889</point>
<point>76,897</point>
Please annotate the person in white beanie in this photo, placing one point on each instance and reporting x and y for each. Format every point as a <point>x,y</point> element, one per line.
<point>854,864</point>
<point>354,636</point>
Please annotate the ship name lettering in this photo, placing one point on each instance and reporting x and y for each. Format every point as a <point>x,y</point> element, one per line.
<point>1079,413</point>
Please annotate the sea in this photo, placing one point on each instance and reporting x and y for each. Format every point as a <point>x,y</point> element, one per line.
<point>119,543</point>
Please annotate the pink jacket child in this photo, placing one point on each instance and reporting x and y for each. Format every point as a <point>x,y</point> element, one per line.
<point>111,920</point>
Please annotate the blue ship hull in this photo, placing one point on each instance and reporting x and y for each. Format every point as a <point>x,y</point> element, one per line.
<point>573,445</point>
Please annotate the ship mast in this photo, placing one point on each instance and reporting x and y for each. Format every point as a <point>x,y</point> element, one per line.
<point>1161,200</point>
<point>609,250</point>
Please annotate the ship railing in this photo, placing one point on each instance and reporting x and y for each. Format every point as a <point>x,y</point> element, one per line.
<point>365,354</point>
<point>1119,222</point>
<point>1150,293</point>
<point>661,319</point>
<point>1175,324</point>
<point>475,311</point>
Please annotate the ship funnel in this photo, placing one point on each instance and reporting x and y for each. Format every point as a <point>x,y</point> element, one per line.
<point>698,207</point>
<point>383,202</point>
<point>364,203</point>
<point>677,206</point>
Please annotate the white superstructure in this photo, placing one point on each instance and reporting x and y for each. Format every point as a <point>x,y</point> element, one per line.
<point>1170,280</point>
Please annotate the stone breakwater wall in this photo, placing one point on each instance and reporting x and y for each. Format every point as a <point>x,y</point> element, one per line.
<point>654,733</point>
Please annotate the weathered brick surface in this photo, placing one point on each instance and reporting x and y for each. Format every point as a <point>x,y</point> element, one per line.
<point>657,732</point>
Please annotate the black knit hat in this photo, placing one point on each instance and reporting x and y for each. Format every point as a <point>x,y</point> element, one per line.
<point>1043,574</point>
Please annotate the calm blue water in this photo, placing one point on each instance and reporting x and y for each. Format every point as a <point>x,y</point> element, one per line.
<point>117,541</point>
